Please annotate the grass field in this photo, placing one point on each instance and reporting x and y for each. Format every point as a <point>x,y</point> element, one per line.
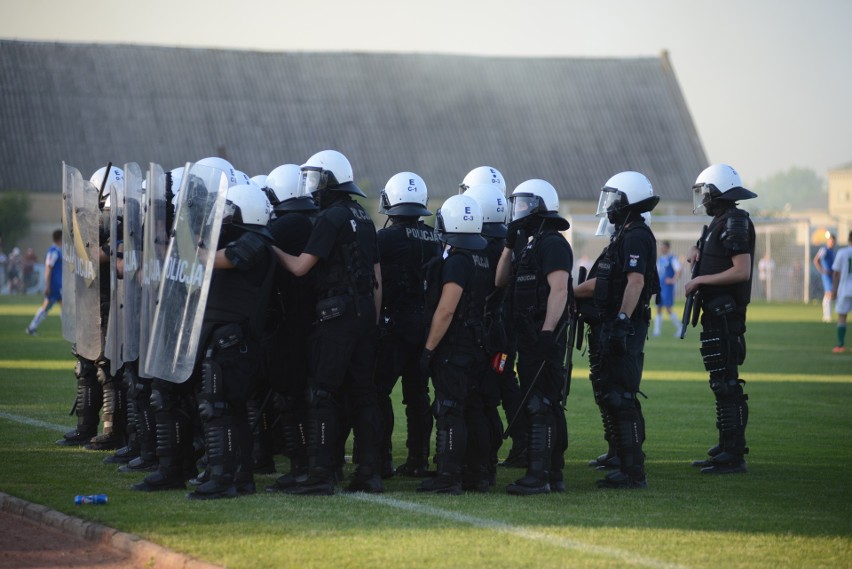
<point>793,509</point>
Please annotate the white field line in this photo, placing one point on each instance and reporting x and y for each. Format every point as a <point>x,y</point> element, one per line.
<point>33,422</point>
<point>494,525</point>
<point>517,531</point>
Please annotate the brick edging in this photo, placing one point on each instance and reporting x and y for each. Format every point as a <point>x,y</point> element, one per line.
<point>142,552</point>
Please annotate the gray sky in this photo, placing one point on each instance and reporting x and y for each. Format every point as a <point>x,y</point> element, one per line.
<point>768,82</point>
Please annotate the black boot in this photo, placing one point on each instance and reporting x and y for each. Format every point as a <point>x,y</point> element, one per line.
<point>322,446</point>
<point>87,405</point>
<point>629,426</point>
<point>733,418</point>
<point>539,448</point>
<point>114,418</point>
<point>608,460</point>
<point>172,430</point>
<point>221,435</point>
<point>450,447</point>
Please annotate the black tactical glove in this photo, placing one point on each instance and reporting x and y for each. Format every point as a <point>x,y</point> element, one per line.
<point>245,252</point>
<point>619,330</point>
<point>426,362</point>
<point>512,230</point>
<point>546,341</point>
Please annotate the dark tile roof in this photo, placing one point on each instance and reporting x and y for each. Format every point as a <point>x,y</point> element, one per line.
<point>574,122</point>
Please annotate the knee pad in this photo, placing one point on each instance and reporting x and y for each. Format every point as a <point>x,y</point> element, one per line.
<point>85,372</point>
<point>322,399</point>
<point>448,408</point>
<point>537,404</point>
<point>617,400</point>
<point>102,374</point>
<point>727,389</point>
<point>211,399</point>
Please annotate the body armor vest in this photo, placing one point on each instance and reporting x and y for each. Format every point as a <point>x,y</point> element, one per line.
<point>530,289</point>
<point>610,278</point>
<point>405,248</point>
<point>716,258</point>
<point>235,298</point>
<point>348,270</point>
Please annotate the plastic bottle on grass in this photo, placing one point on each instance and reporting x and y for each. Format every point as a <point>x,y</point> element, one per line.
<point>91,499</point>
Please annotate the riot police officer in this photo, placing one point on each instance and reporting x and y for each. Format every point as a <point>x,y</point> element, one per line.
<point>405,245</point>
<point>722,284</point>
<point>233,320</point>
<point>540,278</point>
<point>621,284</point>
<point>97,389</point>
<point>498,316</point>
<point>343,251</point>
<point>294,302</point>
<point>453,354</point>
<point>498,370</point>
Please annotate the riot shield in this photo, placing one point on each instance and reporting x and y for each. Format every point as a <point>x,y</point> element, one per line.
<point>114,347</point>
<point>156,241</point>
<point>87,290</point>
<point>133,198</point>
<point>186,276</point>
<point>71,178</point>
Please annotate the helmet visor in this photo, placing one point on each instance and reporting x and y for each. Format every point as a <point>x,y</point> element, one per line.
<point>701,196</point>
<point>230,213</point>
<point>605,227</point>
<point>524,205</point>
<point>310,181</point>
<point>610,200</point>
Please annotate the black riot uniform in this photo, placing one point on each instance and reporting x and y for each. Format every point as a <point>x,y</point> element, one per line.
<point>341,343</point>
<point>226,364</point>
<point>405,246</point>
<point>541,356</point>
<point>723,324</point>
<point>286,356</point>
<point>462,434</point>
<point>496,381</point>
<point>615,372</point>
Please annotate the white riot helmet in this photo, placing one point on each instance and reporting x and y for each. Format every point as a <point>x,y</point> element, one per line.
<point>243,178</point>
<point>328,170</point>
<point>282,189</point>
<point>484,175</point>
<point>718,182</point>
<point>116,176</point>
<point>626,193</point>
<point>223,165</point>
<point>405,194</point>
<point>459,223</point>
<point>494,208</point>
<point>537,197</point>
<point>260,180</point>
<point>245,204</point>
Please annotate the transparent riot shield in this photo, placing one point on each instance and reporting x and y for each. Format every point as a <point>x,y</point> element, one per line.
<point>156,241</point>
<point>114,348</point>
<point>187,271</point>
<point>71,178</point>
<point>87,289</point>
<point>133,198</point>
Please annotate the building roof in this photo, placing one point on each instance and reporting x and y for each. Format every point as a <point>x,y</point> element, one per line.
<point>572,121</point>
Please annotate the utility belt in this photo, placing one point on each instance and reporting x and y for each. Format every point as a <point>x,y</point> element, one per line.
<point>333,307</point>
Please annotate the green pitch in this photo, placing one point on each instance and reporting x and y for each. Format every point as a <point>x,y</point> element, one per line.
<point>793,508</point>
